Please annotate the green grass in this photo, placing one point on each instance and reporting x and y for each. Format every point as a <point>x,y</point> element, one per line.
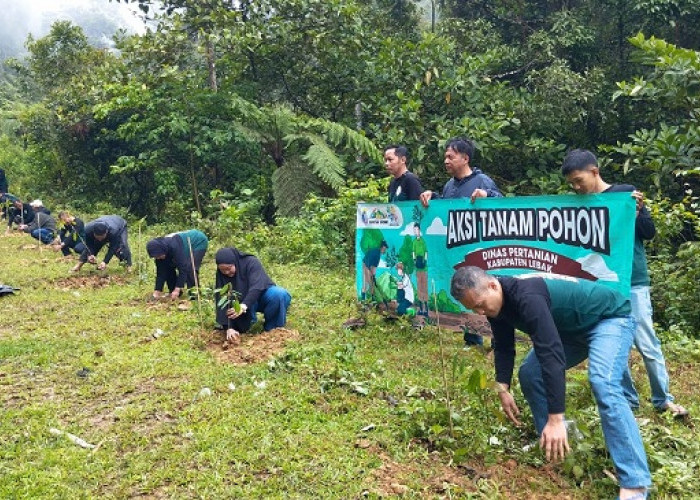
<point>301,435</point>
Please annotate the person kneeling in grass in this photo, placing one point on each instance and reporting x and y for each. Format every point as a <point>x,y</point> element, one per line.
<point>175,254</point>
<point>254,292</point>
<point>43,225</point>
<point>568,321</point>
<point>71,236</point>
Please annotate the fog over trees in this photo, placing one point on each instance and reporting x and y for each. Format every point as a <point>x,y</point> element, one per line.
<point>99,19</point>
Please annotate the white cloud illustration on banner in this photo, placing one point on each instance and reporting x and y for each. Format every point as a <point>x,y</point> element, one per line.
<point>437,228</point>
<point>408,230</point>
<point>594,264</point>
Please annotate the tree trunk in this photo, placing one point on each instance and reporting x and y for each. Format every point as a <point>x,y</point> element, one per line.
<point>211,65</point>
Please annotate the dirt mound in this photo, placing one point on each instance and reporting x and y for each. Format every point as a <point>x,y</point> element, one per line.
<point>90,281</point>
<point>253,348</point>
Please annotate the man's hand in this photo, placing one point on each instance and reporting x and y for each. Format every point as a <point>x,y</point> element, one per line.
<point>508,404</point>
<point>232,314</point>
<point>553,439</point>
<point>101,266</point>
<point>639,198</point>
<point>175,293</point>
<point>425,197</point>
<point>92,259</point>
<point>233,336</point>
<point>478,193</point>
<point>22,227</point>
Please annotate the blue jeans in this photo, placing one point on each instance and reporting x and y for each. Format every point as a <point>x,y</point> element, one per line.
<point>607,348</point>
<point>649,346</point>
<point>42,234</point>
<point>273,304</point>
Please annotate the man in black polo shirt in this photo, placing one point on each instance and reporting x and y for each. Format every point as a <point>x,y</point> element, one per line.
<point>404,184</point>
<point>568,321</point>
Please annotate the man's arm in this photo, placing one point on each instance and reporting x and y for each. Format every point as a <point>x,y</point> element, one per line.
<point>539,324</point>
<point>644,225</point>
<point>504,360</point>
<point>488,185</point>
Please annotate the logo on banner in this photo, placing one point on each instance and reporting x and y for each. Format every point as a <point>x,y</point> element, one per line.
<point>379,216</point>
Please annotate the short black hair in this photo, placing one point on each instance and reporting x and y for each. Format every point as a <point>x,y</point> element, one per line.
<point>462,145</point>
<point>383,244</point>
<point>400,150</point>
<point>577,160</point>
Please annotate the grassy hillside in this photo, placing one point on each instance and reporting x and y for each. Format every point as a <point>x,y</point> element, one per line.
<point>312,411</point>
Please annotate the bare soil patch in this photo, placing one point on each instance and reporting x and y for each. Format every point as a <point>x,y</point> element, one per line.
<point>392,479</point>
<point>253,348</point>
<point>92,281</point>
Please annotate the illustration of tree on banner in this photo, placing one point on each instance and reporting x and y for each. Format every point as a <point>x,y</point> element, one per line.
<point>371,238</point>
<point>406,255</point>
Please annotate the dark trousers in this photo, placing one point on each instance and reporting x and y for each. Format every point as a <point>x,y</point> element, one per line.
<point>171,276</point>
<point>69,244</point>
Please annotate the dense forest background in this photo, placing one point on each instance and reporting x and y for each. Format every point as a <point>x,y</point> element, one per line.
<point>243,114</point>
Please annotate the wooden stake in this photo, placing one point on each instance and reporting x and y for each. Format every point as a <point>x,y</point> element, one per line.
<point>442,364</point>
<point>196,284</point>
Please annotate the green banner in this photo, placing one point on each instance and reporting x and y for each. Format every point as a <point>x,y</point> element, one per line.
<point>406,252</point>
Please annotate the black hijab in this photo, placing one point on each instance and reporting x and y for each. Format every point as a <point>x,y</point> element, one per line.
<point>156,247</point>
<point>250,279</point>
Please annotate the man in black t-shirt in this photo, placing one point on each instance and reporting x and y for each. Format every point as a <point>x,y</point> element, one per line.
<point>404,184</point>
<point>581,170</point>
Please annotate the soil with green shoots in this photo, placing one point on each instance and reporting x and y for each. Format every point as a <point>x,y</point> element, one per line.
<point>166,408</point>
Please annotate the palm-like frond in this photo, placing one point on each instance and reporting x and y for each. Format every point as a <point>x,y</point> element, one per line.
<point>338,135</point>
<point>291,184</point>
<point>324,161</point>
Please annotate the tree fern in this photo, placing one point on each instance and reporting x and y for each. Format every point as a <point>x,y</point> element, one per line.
<point>291,184</point>
<point>324,162</point>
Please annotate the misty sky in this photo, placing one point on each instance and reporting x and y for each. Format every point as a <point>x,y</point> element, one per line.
<point>98,18</point>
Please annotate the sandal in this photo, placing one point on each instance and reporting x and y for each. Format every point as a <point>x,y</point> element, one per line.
<point>677,411</point>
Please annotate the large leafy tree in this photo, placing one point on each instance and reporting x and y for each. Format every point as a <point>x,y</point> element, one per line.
<point>667,100</point>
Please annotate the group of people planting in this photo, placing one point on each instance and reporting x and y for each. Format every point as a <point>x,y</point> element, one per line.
<point>243,288</point>
<point>568,320</point>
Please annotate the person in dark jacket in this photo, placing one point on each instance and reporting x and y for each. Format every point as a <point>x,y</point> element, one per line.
<point>43,225</point>
<point>581,170</point>
<point>251,289</point>
<point>16,212</point>
<point>3,182</point>
<point>175,255</point>
<point>108,230</point>
<point>568,321</point>
<point>71,236</point>
<point>466,181</point>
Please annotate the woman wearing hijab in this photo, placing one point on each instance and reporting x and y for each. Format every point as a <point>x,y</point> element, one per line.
<point>253,289</point>
<point>174,255</point>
